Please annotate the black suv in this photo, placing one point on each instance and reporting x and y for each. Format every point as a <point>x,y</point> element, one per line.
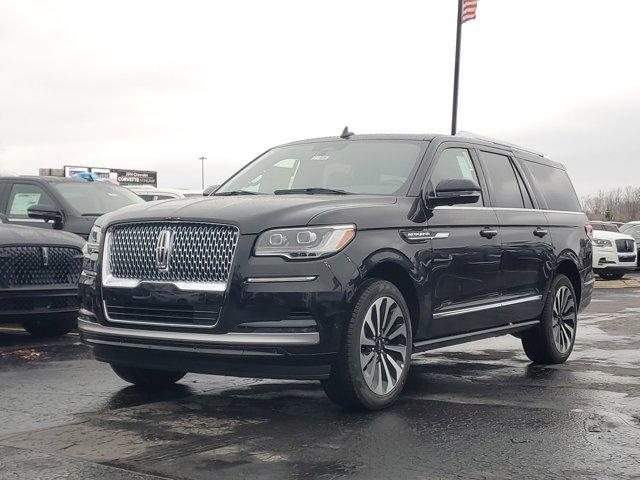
<point>39,273</point>
<point>60,203</point>
<point>337,259</point>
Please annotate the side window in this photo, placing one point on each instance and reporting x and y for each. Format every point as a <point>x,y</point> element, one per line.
<point>502,180</point>
<point>523,189</point>
<point>555,186</point>
<point>454,163</point>
<point>23,196</point>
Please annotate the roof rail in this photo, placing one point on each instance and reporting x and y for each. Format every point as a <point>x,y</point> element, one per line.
<point>498,142</point>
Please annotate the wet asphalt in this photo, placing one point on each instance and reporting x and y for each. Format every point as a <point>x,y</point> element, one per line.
<point>480,410</point>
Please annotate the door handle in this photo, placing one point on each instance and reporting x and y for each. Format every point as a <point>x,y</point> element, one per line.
<point>488,233</point>
<point>540,232</point>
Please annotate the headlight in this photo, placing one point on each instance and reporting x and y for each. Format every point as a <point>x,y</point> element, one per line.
<point>91,250</point>
<point>602,243</point>
<point>304,243</point>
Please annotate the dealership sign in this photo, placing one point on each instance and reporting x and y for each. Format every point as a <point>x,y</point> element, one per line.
<point>119,176</point>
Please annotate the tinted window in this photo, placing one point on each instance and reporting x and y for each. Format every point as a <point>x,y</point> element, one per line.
<point>597,226</point>
<point>23,196</point>
<point>96,198</point>
<point>453,163</point>
<point>555,186</point>
<point>356,166</point>
<point>611,228</point>
<point>502,180</point>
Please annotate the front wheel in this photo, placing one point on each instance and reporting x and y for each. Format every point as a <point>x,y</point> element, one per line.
<point>147,377</point>
<point>372,365</point>
<point>552,340</point>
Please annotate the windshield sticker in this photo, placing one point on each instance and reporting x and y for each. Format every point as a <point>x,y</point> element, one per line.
<point>321,157</point>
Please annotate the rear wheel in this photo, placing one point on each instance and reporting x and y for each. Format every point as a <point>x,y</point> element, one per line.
<point>371,368</point>
<point>610,276</point>
<point>50,325</point>
<point>147,377</point>
<point>553,339</point>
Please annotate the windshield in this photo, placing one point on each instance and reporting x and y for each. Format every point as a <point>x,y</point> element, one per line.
<point>381,167</point>
<point>96,198</point>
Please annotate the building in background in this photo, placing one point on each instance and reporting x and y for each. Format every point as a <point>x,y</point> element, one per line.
<point>118,176</point>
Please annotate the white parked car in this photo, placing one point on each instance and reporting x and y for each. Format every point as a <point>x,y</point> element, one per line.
<point>151,194</point>
<point>614,253</point>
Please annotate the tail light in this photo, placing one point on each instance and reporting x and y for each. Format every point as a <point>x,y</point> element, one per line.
<point>589,230</point>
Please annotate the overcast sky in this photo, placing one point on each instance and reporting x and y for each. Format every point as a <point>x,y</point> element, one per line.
<point>154,85</point>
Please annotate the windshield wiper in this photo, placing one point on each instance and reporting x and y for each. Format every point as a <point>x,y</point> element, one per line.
<point>235,192</point>
<point>311,191</point>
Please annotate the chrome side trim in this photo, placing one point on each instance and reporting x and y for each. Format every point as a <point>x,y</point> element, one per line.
<point>488,306</point>
<point>511,326</point>
<point>309,278</point>
<point>457,207</point>
<point>589,282</point>
<point>274,339</point>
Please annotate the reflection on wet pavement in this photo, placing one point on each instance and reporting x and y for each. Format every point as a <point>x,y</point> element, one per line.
<point>480,410</point>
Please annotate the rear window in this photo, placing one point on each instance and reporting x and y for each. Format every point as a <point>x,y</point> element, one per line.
<point>555,186</point>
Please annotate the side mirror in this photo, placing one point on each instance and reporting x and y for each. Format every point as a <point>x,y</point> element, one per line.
<point>454,192</point>
<point>48,213</point>
<point>4,218</point>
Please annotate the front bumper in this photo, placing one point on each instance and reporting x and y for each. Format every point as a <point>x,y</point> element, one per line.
<point>274,319</point>
<point>266,355</point>
<point>16,303</point>
<point>610,260</point>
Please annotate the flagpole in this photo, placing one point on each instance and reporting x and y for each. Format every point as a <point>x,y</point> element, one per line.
<point>456,74</point>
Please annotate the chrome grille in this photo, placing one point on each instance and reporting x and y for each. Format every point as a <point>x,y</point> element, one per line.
<point>31,265</point>
<point>200,252</point>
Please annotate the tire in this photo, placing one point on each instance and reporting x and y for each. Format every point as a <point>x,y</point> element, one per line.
<point>610,276</point>
<point>46,326</point>
<point>551,342</point>
<point>371,368</point>
<point>147,377</point>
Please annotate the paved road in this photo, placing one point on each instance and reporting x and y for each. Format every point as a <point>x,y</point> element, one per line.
<point>475,411</point>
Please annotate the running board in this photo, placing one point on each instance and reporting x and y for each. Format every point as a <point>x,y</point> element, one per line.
<point>433,343</point>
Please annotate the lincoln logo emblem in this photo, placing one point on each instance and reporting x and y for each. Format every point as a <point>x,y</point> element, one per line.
<point>45,256</point>
<point>164,245</point>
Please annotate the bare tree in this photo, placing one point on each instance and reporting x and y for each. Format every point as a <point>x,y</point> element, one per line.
<point>618,204</point>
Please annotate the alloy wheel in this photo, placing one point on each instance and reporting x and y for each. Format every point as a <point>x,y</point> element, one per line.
<point>383,345</point>
<point>564,319</point>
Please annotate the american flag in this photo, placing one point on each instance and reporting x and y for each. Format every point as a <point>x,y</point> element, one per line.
<point>469,10</point>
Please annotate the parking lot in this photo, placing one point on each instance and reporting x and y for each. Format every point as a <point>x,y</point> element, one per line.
<point>473,411</point>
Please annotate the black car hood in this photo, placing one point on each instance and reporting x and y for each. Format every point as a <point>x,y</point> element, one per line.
<point>250,213</point>
<point>20,235</point>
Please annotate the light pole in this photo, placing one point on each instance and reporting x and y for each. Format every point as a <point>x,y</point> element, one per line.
<point>202,159</point>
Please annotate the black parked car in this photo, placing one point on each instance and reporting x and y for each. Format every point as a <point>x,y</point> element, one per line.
<point>60,203</point>
<point>39,272</point>
<point>337,259</point>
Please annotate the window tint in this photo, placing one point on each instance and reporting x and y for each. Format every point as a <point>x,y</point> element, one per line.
<point>555,186</point>
<point>611,228</point>
<point>502,180</point>
<point>23,196</point>
<point>453,163</point>
<point>523,189</point>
